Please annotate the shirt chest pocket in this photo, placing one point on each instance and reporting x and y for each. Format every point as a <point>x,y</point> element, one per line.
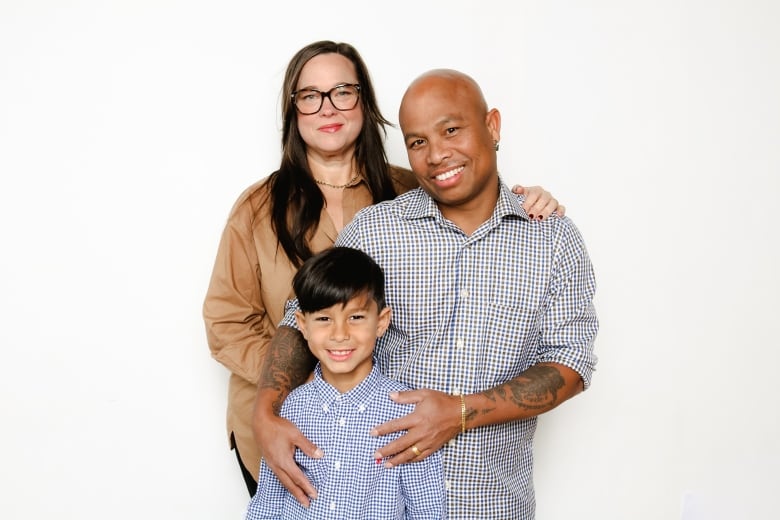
<point>510,341</point>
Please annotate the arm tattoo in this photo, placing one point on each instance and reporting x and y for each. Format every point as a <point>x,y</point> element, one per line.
<point>287,364</point>
<point>536,389</point>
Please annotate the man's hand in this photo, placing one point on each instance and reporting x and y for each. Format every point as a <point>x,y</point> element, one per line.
<point>288,362</point>
<point>278,438</point>
<point>435,420</point>
<point>539,203</point>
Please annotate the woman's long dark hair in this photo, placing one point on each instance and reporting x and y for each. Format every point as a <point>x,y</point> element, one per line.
<point>296,201</point>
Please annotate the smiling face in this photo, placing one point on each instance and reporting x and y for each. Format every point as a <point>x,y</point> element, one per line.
<point>329,133</point>
<point>342,337</point>
<point>450,139</point>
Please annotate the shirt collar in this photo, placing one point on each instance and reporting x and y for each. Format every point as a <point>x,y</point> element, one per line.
<point>357,397</point>
<point>509,203</point>
<point>423,206</point>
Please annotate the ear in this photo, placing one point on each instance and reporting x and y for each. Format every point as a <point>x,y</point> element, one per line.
<point>301,321</point>
<point>383,321</point>
<point>493,123</point>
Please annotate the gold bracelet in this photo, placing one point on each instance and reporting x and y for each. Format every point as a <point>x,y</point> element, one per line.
<point>462,414</point>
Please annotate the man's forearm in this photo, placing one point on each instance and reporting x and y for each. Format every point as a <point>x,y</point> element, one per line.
<point>538,389</point>
<point>287,364</point>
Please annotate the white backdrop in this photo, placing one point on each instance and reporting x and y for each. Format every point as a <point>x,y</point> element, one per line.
<point>127,130</point>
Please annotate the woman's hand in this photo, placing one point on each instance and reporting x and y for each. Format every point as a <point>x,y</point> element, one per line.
<point>539,203</point>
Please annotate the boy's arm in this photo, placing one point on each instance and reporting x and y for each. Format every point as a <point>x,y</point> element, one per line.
<point>287,365</point>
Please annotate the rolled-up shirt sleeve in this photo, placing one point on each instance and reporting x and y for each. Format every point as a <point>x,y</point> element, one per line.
<point>569,326</point>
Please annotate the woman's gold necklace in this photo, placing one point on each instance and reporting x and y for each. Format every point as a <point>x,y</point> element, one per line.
<point>338,186</point>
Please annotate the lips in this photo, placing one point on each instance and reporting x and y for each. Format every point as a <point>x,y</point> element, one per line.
<point>339,355</point>
<point>449,174</point>
<point>330,128</point>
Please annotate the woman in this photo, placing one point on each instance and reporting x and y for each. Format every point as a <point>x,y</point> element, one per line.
<point>333,164</point>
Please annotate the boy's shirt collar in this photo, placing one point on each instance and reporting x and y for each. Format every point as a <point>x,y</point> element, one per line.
<point>358,397</point>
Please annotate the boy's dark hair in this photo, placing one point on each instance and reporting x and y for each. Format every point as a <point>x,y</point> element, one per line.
<point>337,275</point>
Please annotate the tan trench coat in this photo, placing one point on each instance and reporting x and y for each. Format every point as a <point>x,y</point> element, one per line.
<point>250,283</point>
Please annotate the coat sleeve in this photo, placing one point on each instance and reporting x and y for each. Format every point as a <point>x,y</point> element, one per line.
<point>233,310</point>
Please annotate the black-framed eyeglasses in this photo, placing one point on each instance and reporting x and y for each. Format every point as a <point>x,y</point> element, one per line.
<point>343,97</point>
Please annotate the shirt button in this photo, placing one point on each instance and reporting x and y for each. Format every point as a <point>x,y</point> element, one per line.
<point>464,293</point>
<point>448,485</point>
<point>342,422</point>
<point>333,506</point>
<point>451,442</point>
<point>455,391</point>
<point>459,343</point>
<point>362,408</point>
<point>337,465</point>
<point>325,408</point>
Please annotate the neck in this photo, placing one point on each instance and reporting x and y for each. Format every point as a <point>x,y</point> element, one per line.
<point>341,186</point>
<point>471,214</point>
<point>345,382</point>
<point>332,172</point>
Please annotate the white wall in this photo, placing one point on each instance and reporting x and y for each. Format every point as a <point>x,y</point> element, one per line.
<point>127,129</point>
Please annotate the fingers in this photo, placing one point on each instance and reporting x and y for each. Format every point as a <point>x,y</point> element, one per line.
<point>308,448</point>
<point>518,189</point>
<point>395,425</point>
<point>539,203</point>
<point>402,423</point>
<point>536,203</point>
<point>398,450</point>
<point>279,443</point>
<point>293,479</point>
<point>434,421</point>
<point>408,397</point>
<point>414,453</point>
<point>301,488</point>
<point>541,209</point>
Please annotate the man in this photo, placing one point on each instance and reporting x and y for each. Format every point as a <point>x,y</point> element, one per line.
<point>493,317</point>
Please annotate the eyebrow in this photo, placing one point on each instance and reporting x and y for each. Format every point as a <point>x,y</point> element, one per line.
<point>446,121</point>
<point>312,87</point>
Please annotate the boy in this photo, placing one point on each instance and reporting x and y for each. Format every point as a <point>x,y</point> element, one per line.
<point>342,312</point>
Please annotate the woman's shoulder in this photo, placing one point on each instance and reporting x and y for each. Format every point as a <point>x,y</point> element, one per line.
<point>253,197</point>
<point>403,179</point>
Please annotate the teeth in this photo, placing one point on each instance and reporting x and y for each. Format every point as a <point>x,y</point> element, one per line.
<point>446,175</point>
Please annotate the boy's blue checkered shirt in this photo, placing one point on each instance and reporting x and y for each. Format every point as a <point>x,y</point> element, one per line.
<point>350,483</point>
<point>473,311</point>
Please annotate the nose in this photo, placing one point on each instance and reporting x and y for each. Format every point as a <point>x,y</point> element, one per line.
<point>438,151</point>
<point>340,331</point>
<point>327,105</point>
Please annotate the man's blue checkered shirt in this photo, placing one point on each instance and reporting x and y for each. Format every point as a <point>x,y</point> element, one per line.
<point>349,482</point>
<point>471,312</point>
